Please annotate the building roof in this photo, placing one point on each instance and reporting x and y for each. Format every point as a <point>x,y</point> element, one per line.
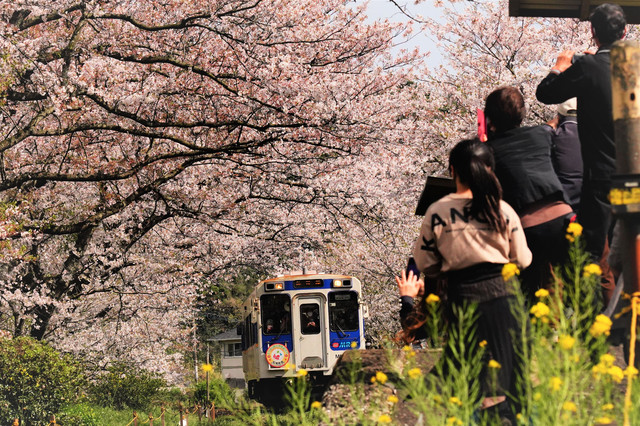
<point>570,8</point>
<point>226,336</point>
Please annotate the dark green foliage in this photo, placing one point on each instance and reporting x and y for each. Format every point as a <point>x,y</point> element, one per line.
<point>219,301</point>
<point>219,393</point>
<point>126,386</point>
<point>35,381</point>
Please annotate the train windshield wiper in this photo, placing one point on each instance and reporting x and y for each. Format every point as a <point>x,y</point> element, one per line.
<point>341,331</point>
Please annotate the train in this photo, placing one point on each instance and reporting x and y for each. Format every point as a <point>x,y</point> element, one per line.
<point>299,321</point>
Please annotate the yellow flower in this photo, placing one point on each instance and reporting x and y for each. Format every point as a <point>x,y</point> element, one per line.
<point>437,399</point>
<point>455,401</point>
<point>591,269</point>
<point>569,406</point>
<point>407,348</point>
<point>414,373</point>
<point>574,230</point>
<point>604,420</point>
<point>207,367</point>
<point>540,310</point>
<point>598,370</point>
<point>607,407</point>
<point>542,293</point>
<point>537,396</point>
<point>509,270</point>
<point>454,421</point>
<point>494,364</point>
<point>302,372</point>
<point>616,373</point>
<point>602,325</point>
<point>381,377</point>
<point>432,298</point>
<point>574,358</point>
<point>482,344</point>
<point>385,418</point>
<point>316,404</point>
<point>555,383</point>
<point>607,359</point>
<point>631,371</point>
<point>566,342</point>
<point>373,379</point>
<point>392,399</point>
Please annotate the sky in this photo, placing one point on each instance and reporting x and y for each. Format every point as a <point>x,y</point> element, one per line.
<point>380,9</point>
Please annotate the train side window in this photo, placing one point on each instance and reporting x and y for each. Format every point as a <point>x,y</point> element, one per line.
<point>343,311</point>
<point>246,335</point>
<point>310,318</point>
<point>276,314</point>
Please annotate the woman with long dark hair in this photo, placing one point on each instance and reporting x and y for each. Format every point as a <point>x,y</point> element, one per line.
<point>468,236</point>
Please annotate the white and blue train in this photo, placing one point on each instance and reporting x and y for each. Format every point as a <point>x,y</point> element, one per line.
<point>299,322</point>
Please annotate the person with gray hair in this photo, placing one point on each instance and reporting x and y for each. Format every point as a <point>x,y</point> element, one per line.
<point>565,151</point>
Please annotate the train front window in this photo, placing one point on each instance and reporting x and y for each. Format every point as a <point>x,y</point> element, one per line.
<point>343,311</point>
<point>276,314</point>
<point>310,318</point>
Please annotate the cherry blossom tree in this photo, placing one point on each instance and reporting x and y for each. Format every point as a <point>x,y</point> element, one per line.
<point>147,145</point>
<point>150,147</point>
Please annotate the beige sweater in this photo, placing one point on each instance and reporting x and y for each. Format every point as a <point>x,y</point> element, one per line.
<point>449,240</point>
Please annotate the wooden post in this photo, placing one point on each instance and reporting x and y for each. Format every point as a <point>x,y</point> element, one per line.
<point>162,410</point>
<point>135,419</point>
<point>181,409</point>
<point>150,419</point>
<point>52,420</point>
<point>16,422</point>
<point>212,415</point>
<point>625,192</point>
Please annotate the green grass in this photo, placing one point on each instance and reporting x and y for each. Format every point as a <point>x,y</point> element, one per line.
<point>105,416</point>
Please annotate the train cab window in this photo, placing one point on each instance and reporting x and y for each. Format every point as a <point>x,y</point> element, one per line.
<point>276,314</point>
<point>310,318</point>
<point>343,311</point>
<point>246,333</point>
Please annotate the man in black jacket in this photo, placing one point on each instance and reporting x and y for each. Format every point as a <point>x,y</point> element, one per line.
<point>589,79</point>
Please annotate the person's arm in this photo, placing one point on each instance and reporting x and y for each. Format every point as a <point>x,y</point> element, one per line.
<point>563,81</point>
<point>519,252</point>
<point>409,288</point>
<point>425,252</point>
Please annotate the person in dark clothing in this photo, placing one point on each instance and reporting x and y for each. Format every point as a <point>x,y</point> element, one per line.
<point>588,79</point>
<point>529,183</point>
<point>565,151</point>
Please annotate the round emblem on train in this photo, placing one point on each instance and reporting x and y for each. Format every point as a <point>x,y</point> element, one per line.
<point>277,355</point>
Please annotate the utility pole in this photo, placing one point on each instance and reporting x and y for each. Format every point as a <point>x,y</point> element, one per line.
<point>195,347</point>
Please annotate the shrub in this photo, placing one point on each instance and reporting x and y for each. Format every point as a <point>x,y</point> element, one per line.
<point>219,392</point>
<point>35,380</point>
<point>126,386</point>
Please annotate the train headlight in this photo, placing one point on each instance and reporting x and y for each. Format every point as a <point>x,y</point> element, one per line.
<point>273,286</point>
<point>341,283</point>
